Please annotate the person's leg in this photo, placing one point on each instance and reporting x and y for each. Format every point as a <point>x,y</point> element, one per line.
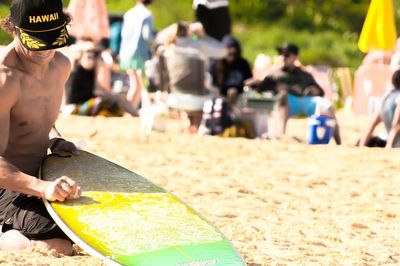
<point>135,87</point>
<point>336,130</point>
<point>95,106</point>
<point>124,105</point>
<point>288,107</point>
<point>283,118</point>
<point>28,224</point>
<point>232,98</point>
<point>15,240</point>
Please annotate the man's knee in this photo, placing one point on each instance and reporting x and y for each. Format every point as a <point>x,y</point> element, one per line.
<point>13,240</point>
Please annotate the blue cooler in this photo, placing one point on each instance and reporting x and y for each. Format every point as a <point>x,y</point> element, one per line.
<point>320,129</point>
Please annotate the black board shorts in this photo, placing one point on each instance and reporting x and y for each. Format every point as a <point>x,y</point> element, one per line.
<point>28,215</point>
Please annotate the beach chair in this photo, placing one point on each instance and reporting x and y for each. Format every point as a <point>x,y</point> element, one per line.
<point>346,90</point>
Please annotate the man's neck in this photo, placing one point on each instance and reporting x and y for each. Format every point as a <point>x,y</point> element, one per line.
<point>289,68</point>
<point>36,69</point>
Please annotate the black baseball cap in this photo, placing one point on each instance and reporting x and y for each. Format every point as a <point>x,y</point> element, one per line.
<point>287,49</point>
<point>40,24</point>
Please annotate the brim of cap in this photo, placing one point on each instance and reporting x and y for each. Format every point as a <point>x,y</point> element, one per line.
<point>282,50</point>
<point>44,40</point>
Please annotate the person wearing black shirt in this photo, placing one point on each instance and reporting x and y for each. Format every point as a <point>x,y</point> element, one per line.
<point>300,93</point>
<point>231,72</point>
<point>86,95</point>
<point>215,17</point>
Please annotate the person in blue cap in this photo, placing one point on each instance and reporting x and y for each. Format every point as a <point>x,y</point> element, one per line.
<point>32,79</point>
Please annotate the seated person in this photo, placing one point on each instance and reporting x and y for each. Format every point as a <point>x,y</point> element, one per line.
<point>233,70</point>
<point>86,94</point>
<point>389,114</point>
<point>299,92</point>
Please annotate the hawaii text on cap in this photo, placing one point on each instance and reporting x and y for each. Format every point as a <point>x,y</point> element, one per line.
<point>40,24</point>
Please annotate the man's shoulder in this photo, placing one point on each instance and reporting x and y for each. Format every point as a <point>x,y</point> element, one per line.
<point>276,72</point>
<point>301,71</point>
<point>10,77</point>
<point>61,60</point>
<point>8,65</point>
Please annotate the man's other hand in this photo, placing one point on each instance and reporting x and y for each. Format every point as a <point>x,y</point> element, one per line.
<point>60,145</point>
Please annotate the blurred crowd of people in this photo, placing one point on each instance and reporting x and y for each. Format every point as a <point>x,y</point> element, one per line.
<point>197,65</point>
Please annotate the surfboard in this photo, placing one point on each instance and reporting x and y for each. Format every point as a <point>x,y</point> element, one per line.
<point>124,219</point>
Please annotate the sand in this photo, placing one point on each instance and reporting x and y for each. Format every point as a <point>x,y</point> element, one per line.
<point>280,202</point>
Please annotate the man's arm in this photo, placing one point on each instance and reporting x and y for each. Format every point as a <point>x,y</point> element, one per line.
<point>313,88</point>
<point>375,122</point>
<point>148,32</point>
<point>395,129</point>
<point>12,178</point>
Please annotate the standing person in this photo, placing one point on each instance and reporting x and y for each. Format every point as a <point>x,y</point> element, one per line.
<point>32,79</point>
<point>215,17</point>
<point>183,68</point>
<point>136,37</point>
<point>389,114</point>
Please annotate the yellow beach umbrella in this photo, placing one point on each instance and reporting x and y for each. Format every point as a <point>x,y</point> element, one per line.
<point>379,30</point>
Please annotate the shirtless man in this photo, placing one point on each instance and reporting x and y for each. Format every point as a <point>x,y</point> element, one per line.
<point>32,78</point>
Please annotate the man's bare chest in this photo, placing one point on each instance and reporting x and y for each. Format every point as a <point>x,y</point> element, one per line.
<point>39,102</point>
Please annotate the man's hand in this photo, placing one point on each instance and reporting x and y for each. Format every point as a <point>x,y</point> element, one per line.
<point>295,90</point>
<point>61,189</point>
<point>60,145</point>
<point>312,91</point>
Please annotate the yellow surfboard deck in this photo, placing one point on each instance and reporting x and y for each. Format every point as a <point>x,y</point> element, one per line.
<point>125,219</point>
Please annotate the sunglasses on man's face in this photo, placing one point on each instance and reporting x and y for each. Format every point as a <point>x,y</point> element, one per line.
<point>92,54</point>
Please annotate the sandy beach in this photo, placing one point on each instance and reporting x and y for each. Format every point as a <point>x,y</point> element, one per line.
<point>280,202</point>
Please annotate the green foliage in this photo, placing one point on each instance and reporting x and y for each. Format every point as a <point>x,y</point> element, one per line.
<point>325,47</point>
<point>326,31</point>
